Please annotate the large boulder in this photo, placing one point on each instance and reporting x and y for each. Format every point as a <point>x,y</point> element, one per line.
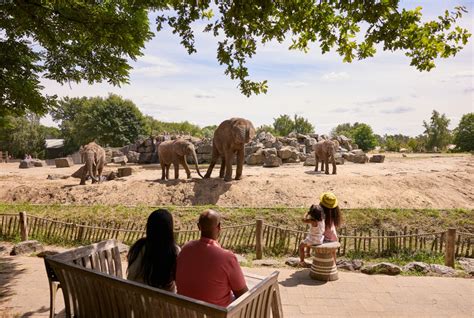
<point>350,265</point>
<point>419,267</point>
<point>124,172</point>
<point>467,264</point>
<point>270,151</point>
<point>442,270</point>
<point>382,268</point>
<point>25,164</point>
<point>310,160</point>
<point>272,161</point>
<point>64,162</point>
<point>204,148</point>
<point>133,156</point>
<point>256,158</point>
<point>287,152</point>
<point>377,158</point>
<point>252,148</point>
<point>121,160</point>
<point>146,157</point>
<point>356,156</point>
<point>339,158</point>
<point>27,247</point>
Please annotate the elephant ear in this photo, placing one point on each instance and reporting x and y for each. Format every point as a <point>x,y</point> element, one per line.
<point>182,149</point>
<point>239,132</point>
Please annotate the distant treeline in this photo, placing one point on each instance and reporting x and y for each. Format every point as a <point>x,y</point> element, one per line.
<point>115,122</point>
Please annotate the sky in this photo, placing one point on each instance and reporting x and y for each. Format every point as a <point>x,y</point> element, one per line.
<point>384,91</point>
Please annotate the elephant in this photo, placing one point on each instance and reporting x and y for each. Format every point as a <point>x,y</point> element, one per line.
<point>229,139</point>
<point>93,157</point>
<point>325,151</point>
<point>175,152</point>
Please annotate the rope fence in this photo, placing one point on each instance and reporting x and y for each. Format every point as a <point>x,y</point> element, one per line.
<point>258,237</point>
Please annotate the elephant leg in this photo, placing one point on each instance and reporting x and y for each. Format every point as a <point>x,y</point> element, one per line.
<point>215,156</point>
<point>176,170</point>
<point>222,170</point>
<point>83,176</point>
<point>326,162</point>
<point>186,167</point>
<point>240,164</point>
<point>334,165</point>
<point>167,168</point>
<point>228,165</point>
<point>317,163</point>
<point>163,171</point>
<point>99,173</point>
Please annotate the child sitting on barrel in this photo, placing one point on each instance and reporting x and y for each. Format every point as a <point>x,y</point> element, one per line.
<point>314,217</point>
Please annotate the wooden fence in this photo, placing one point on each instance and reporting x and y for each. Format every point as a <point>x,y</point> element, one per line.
<point>260,237</point>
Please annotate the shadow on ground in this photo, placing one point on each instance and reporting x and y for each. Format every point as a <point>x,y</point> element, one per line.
<point>208,191</point>
<point>301,278</point>
<point>9,269</point>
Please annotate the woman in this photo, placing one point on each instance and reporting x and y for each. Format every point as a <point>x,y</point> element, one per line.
<point>152,259</point>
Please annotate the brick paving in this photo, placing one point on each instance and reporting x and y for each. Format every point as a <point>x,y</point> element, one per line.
<point>24,291</point>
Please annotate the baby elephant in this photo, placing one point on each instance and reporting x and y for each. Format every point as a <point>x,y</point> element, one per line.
<point>175,152</point>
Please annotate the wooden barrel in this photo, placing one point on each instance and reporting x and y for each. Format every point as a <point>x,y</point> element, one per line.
<point>323,267</point>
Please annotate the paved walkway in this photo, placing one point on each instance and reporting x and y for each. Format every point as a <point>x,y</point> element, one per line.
<point>24,291</point>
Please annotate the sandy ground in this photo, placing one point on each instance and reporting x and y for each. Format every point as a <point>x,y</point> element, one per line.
<point>415,181</point>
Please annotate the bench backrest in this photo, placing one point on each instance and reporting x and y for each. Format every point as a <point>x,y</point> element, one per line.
<point>102,257</point>
<point>88,293</point>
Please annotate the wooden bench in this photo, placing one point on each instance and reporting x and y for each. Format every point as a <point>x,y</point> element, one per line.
<point>91,290</point>
<point>102,257</point>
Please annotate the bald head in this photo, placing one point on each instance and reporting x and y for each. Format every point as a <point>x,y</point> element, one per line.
<point>209,224</point>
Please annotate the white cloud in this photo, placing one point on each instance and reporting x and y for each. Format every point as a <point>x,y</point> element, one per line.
<point>398,110</point>
<point>335,76</point>
<point>464,74</point>
<point>156,67</point>
<point>379,100</point>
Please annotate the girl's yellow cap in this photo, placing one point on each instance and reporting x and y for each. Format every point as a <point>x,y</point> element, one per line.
<point>328,200</point>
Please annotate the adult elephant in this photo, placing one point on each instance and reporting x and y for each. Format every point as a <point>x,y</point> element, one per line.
<point>325,151</point>
<point>229,140</point>
<point>93,157</point>
<point>175,152</point>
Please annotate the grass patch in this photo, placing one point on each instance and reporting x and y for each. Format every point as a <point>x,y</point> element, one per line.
<point>401,257</point>
<point>426,220</point>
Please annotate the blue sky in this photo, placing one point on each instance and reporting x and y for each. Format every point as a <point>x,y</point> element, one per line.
<point>383,91</point>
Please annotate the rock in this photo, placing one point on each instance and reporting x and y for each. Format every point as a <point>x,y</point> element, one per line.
<point>255,158</point>
<point>295,261</point>
<point>145,157</point>
<point>64,162</point>
<point>25,164</point>
<point>277,145</point>
<point>272,161</point>
<point>266,262</point>
<point>288,152</point>
<point>292,160</point>
<point>204,148</point>
<point>251,149</point>
<point>112,175</point>
<point>124,172</point>
<point>270,151</point>
<point>122,160</point>
<point>123,248</point>
<point>310,160</point>
<point>467,264</point>
<point>351,265</point>
<point>45,253</point>
<point>356,156</point>
<point>377,158</point>
<point>38,163</point>
<point>381,268</point>
<point>403,155</point>
<point>442,270</point>
<point>149,142</point>
<point>27,247</point>
<point>133,156</point>
<point>339,158</point>
<point>403,150</point>
<point>416,267</point>
<point>302,157</point>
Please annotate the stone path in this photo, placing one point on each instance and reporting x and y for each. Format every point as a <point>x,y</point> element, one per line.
<point>24,292</point>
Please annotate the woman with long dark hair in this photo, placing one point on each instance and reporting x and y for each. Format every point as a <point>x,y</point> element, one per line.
<point>152,259</point>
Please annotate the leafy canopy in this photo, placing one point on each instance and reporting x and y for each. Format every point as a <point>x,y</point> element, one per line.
<point>284,124</point>
<point>71,41</point>
<point>437,132</point>
<point>364,137</point>
<point>464,135</point>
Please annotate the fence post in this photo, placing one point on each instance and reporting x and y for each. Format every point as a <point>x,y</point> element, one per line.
<point>258,238</point>
<point>450,248</point>
<point>23,226</point>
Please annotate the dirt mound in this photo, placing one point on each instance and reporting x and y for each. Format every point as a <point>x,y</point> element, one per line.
<point>417,181</point>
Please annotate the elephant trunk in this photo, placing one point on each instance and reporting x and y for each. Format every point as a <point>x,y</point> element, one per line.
<point>196,162</point>
<point>91,167</point>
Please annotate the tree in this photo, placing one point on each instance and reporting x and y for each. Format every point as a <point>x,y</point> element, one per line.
<point>92,40</point>
<point>22,135</point>
<point>346,129</point>
<point>437,132</point>
<point>302,125</point>
<point>283,125</point>
<point>266,128</point>
<point>364,137</point>
<point>111,121</point>
<point>464,135</point>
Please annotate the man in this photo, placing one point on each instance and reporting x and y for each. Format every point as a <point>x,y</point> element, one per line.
<point>205,270</point>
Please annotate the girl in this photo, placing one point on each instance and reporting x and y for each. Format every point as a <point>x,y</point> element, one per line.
<point>315,217</point>
<point>333,219</point>
<point>152,259</point>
